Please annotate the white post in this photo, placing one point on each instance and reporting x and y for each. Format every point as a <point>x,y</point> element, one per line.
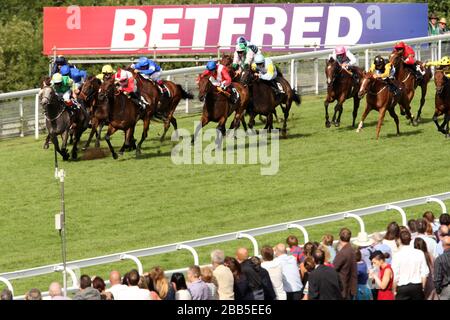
<point>439,48</point>
<point>301,228</point>
<point>186,86</point>
<point>361,222</point>
<point>418,52</point>
<point>399,209</point>
<point>292,71</point>
<point>8,284</point>
<point>126,256</point>
<point>21,117</point>
<point>36,117</point>
<point>316,75</point>
<point>192,250</point>
<point>72,274</point>
<point>252,239</point>
<point>440,202</point>
<point>367,62</point>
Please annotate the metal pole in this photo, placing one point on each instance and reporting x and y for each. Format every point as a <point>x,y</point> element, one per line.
<point>316,74</point>
<point>186,86</point>
<point>367,66</point>
<point>21,117</point>
<point>292,72</point>
<point>61,175</point>
<point>439,53</point>
<point>36,117</point>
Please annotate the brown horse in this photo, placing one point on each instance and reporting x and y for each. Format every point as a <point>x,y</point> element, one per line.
<point>123,115</point>
<point>380,98</point>
<point>217,107</point>
<point>341,87</point>
<point>264,100</point>
<point>423,83</point>
<point>442,101</point>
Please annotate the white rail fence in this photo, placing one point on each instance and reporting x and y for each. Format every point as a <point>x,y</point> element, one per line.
<point>250,234</point>
<point>304,66</point>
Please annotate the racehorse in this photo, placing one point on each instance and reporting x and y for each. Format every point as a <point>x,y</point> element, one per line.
<point>405,78</point>
<point>340,87</point>
<point>442,101</point>
<point>123,115</point>
<point>380,98</point>
<point>264,100</point>
<point>217,107</point>
<point>88,98</point>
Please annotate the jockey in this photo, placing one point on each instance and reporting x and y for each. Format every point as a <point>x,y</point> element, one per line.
<point>78,77</point>
<point>149,70</point>
<point>384,71</point>
<point>127,85</point>
<point>107,72</point>
<point>408,55</point>
<point>244,54</point>
<point>58,63</point>
<point>63,87</point>
<point>346,60</point>
<point>220,78</point>
<point>444,63</point>
<point>265,69</point>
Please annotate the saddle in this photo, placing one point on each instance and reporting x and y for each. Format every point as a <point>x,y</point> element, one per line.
<point>163,89</point>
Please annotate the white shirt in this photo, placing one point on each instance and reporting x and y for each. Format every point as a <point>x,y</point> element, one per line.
<point>431,243</point>
<point>291,274</point>
<point>183,295</point>
<point>135,293</point>
<point>276,277</point>
<point>392,244</point>
<point>116,290</point>
<point>409,266</point>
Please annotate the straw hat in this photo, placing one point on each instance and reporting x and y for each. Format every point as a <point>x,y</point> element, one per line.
<point>363,240</point>
<point>443,20</point>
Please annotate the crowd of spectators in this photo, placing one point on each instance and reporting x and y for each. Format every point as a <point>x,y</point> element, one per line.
<point>410,262</point>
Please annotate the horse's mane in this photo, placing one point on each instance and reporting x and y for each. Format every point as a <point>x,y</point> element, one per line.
<point>46,81</point>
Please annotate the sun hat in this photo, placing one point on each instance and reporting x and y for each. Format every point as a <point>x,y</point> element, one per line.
<point>363,240</point>
<point>443,20</point>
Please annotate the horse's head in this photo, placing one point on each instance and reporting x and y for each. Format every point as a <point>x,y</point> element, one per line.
<point>395,58</point>
<point>440,80</point>
<point>204,85</point>
<point>247,77</point>
<point>226,60</point>
<point>90,88</point>
<point>366,81</point>
<point>332,70</point>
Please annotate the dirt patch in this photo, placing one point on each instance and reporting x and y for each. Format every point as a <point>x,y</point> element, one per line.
<point>95,153</point>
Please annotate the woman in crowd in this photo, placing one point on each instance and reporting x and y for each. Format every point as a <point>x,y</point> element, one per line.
<point>211,281</point>
<point>392,235</point>
<point>179,286</point>
<point>363,291</point>
<point>308,249</point>
<point>327,240</point>
<point>385,278</point>
<point>429,291</point>
<point>242,289</point>
<point>161,284</point>
<point>99,284</point>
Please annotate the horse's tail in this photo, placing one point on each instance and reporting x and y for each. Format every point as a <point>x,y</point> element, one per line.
<point>296,97</point>
<point>185,94</point>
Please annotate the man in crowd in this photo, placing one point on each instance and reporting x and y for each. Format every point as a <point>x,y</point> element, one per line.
<point>345,265</point>
<point>442,271</point>
<point>197,287</point>
<point>223,275</point>
<point>55,292</point>
<point>117,287</point>
<point>86,292</point>
<point>133,292</point>
<point>324,282</point>
<point>248,269</point>
<point>292,282</point>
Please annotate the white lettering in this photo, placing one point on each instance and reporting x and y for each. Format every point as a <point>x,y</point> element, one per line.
<point>159,28</point>
<point>335,15</point>
<point>74,21</point>
<point>228,27</point>
<point>260,28</point>
<point>201,17</point>
<point>299,26</point>
<point>121,29</point>
<point>374,20</point>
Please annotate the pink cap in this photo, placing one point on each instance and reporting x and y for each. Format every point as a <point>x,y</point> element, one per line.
<point>340,50</point>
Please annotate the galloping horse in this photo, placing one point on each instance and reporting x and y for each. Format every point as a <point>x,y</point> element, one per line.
<point>264,101</point>
<point>405,77</point>
<point>341,87</point>
<point>442,101</point>
<point>217,107</point>
<point>123,115</point>
<point>380,98</point>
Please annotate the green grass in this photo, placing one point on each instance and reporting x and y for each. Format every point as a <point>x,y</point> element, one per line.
<point>119,205</point>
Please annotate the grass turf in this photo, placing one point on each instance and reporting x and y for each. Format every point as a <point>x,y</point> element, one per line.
<point>131,203</point>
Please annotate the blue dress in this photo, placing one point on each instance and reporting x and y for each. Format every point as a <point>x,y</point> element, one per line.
<point>364,292</point>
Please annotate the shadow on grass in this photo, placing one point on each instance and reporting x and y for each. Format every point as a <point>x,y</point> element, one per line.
<point>404,134</point>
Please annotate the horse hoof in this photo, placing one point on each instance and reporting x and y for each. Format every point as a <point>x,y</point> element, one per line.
<point>46,146</point>
<point>74,156</point>
<point>419,119</point>
<point>328,124</point>
<point>337,124</point>
<point>115,156</point>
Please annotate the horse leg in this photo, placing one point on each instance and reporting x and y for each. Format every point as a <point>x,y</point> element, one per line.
<point>93,130</point>
<point>108,135</point>
<point>204,121</point>
<point>395,117</point>
<point>47,142</point>
<point>144,134</point>
<point>356,102</point>
<point>327,117</point>
<point>221,128</point>
<point>435,120</point>
<point>339,109</point>
<point>56,146</point>
<point>170,120</point>
<point>244,124</point>
<point>380,121</point>
<point>269,123</point>
<point>286,116</point>
<point>75,144</point>
<point>363,117</point>
<point>423,87</point>
<point>65,137</point>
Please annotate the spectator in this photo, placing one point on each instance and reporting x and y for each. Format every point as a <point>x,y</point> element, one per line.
<point>55,292</point>
<point>99,284</point>
<point>33,294</point>
<point>309,266</point>
<point>211,282</point>
<point>444,219</point>
<point>380,246</point>
<point>224,276</point>
<point>116,286</point>
<point>433,28</point>
<point>125,280</point>
<point>345,265</point>
<point>295,249</point>
<point>133,292</point>
<point>385,278</point>
<point>442,271</point>
<point>197,287</point>
<point>292,282</point>
<point>412,226</point>
<point>179,285</point>
<point>442,232</point>
<point>429,216</point>
<point>323,281</point>
<point>253,277</point>
<point>327,240</point>
<point>274,268</point>
<point>363,291</point>
<point>151,287</point>
<point>429,292</point>
<point>391,237</point>
<point>328,262</point>
<point>6,295</point>
<point>410,270</point>
<point>86,292</point>
<point>443,26</point>
<point>422,225</point>
<point>161,284</point>
<point>364,243</point>
<point>242,290</point>
<point>308,248</point>
<point>269,292</point>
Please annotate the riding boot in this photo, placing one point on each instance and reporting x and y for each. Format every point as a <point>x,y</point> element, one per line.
<point>233,95</point>
<point>392,87</point>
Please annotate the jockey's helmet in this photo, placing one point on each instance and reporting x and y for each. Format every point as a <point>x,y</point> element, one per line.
<point>60,60</point>
<point>107,69</point>
<point>241,40</point>
<point>239,48</point>
<point>211,65</point>
<point>143,62</point>
<point>399,45</point>
<point>65,70</point>
<point>340,50</point>
<point>379,61</point>
<point>57,78</point>
<point>259,58</point>
<point>445,61</point>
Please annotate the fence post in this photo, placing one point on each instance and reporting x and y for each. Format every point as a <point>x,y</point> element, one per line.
<point>192,250</point>
<point>292,71</point>
<point>440,202</point>
<point>21,117</point>
<point>439,48</point>
<point>361,222</point>
<point>367,65</point>
<point>316,75</point>
<point>400,210</point>
<point>8,284</point>
<point>301,228</point>
<point>418,52</point>
<point>186,87</point>
<point>72,274</point>
<point>241,235</point>
<point>138,262</point>
<point>36,117</point>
